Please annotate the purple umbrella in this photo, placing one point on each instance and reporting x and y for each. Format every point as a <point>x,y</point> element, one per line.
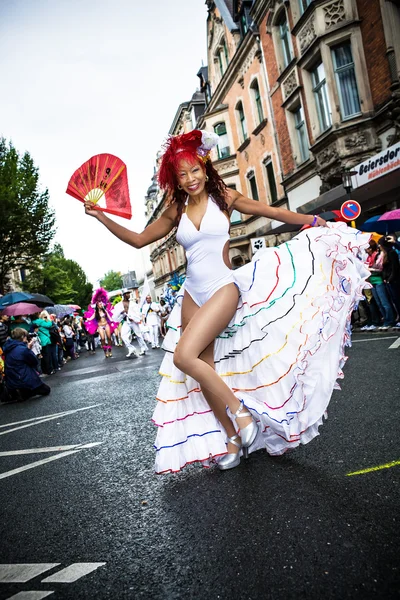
<point>391,219</point>
<point>21,308</point>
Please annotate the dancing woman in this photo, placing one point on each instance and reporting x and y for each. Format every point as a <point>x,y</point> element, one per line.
<point>98,318</point>
<point>245,348</point>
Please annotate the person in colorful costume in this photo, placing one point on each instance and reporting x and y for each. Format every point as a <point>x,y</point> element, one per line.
<point>98,318</point>
<point>252,355</point>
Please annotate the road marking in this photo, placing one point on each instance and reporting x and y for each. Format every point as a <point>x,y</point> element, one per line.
<point>371,469</point>
<point>43,419</point>
<point>73,572</point>
<point>375,339</point>
<point>395,344</point>
<point>50,449</point>
<point>45,460</point>
<point>64,412</point>
<point>21,573</point>
<point>30,595</point>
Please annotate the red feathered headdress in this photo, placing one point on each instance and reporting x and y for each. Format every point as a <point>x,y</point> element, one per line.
<point>100,295</point>
<point>192,146</point>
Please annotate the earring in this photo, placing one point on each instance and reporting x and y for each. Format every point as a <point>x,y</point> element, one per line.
<point>207,178</point>
<point>180,187</point>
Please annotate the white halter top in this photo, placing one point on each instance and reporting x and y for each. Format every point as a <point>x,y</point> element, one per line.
<point>206,270</point>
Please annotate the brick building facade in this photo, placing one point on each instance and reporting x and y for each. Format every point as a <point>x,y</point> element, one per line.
<point>333,77</point>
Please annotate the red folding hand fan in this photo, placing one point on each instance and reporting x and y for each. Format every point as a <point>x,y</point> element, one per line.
<point>103,179</point>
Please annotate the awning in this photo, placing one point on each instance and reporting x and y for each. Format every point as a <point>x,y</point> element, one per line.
<point>371,196</point>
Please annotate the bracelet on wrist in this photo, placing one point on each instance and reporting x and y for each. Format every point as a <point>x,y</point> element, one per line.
<point>314,221</point>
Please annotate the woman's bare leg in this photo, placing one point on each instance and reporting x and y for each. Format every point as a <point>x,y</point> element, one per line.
<point>204,326</point>
<point>108,335</point>
<point>189,309</point>
<point>102,340</point>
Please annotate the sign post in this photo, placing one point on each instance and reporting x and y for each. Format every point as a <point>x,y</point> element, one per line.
<point>350,211</point>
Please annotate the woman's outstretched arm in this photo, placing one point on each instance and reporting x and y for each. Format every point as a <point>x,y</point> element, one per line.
<point>252,207</point>
<point>157,230</point>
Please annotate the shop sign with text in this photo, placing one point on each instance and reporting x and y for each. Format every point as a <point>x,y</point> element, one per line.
<point>381,164</point>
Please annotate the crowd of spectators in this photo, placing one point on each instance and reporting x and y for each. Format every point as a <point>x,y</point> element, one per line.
<point>33,348</point>
<point>380,309</point>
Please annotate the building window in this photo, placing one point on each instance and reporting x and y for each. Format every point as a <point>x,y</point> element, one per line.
<point>221,56</point>
<point>223,144</point>
<point>284,36</point>
<point>225,51</point>
<point>255,90</point>
<point>273,194</point>
<point>253,185</point>
<point>302,139</point>
<point>242,120</point>
<point>321,97</point>
<point>236,217</point>
<point>221,63</point>
<point>303,5</point>
<point>346,80</point>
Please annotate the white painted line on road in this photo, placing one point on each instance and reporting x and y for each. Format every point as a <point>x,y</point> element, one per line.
<point>375,339</point>
<point>21,573</point>
<point>73,572</point>
<point>395,344</point>
<point>30,595</point>
<point>44,418</point>
<point>50,449</point>
<point>30,420</point>
<point>42,462</point>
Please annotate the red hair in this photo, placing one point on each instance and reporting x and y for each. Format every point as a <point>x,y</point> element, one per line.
<point>186,147</point>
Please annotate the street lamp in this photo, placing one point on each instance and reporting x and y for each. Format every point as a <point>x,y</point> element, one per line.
<point>346,179</point>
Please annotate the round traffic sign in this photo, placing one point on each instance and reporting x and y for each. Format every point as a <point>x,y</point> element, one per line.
<point>350,210</point>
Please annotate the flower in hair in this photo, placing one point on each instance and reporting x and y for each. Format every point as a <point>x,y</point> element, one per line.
<point>209,140</point>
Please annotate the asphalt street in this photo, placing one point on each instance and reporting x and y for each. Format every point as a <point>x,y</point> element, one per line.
<point>84,517</point>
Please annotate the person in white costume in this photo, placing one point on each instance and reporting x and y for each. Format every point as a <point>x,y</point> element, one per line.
<point>252,355</point>
<point>127,312</point>
<point>151,317</point>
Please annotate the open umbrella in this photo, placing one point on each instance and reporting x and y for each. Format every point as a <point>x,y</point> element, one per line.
<point>381,226</point>
<point>391,219</point>
<point>60,310</point>
<point>75,306</point>
<point>21,308</point>
<point>40,300</point>
<point>14,297</point>
<point>372,225</point>
<point>333,215</point>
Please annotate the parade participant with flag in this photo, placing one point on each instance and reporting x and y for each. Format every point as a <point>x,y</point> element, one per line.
<point>252,355</point>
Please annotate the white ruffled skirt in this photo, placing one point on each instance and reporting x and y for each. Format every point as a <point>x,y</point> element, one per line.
<point>282,352</point>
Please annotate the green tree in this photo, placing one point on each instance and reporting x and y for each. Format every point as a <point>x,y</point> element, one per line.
<point>63,280</point>
<point>111,281</point>
<point>27,221</point>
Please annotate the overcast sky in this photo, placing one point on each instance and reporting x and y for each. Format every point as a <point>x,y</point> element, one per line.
<point>82,77</point>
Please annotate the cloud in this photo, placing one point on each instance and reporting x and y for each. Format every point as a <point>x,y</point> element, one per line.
<point>81,78</point>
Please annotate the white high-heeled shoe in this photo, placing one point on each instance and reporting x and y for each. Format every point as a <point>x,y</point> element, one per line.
<point>232,459</point>
<point>249,433</point>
